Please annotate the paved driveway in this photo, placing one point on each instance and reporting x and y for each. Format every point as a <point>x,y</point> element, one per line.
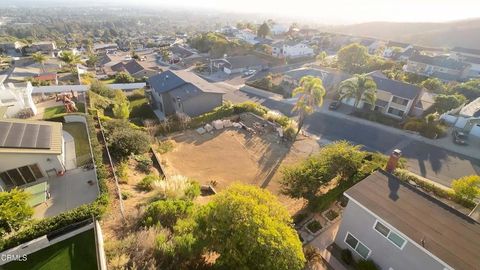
<point>423,159</point>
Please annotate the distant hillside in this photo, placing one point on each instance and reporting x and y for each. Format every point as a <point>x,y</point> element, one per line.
<point>459,33</point>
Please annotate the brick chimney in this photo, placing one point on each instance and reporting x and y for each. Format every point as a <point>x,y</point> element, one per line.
<point>393,160</point>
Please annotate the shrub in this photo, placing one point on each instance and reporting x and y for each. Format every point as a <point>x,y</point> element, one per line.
<point>122,172</point>
<point>144,163</point>
<point>124,77</point>
<point>101,89</point>
<point>346,256</point>
<point>167,212</point>
<point>331,215</point>
<point>137,94</point>
<point>250,106</point>
<point>126,195</point>
<point>165,146</point>
<point>147,182</point>
<point>289,132</point>
<point>124,142</point>
<point>366,265</point>
<point>177,187</point>
<point>314,226</point>
<point>467,187</point>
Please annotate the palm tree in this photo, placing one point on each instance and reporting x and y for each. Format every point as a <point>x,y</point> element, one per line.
<point>360,88</point>
<point>69,58</point>
<point>41,59</point>
<point>310,94</point>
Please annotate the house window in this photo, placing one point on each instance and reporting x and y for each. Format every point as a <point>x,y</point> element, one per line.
<point>396,239</point>
<point>357,246</point>
<point>21,176</point>
<point>401,101</point>
<point>396,112</point>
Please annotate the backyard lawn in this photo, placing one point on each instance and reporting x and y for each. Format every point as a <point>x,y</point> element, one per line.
<point>58,111</point>
<point>82,147</point>
<point>78,252</point>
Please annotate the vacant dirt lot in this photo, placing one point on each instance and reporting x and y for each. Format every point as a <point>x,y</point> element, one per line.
<point>236,155</point>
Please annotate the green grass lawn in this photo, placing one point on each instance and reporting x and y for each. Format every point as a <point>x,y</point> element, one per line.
<point>58,111</point>
<point>76,253</point>
<point>79,133</point>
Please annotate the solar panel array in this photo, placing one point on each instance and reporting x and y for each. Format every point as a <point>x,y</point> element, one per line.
<point>25,136</point>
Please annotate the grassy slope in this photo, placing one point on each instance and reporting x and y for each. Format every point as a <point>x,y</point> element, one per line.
<point>79,133</point>
<point>74,253</point>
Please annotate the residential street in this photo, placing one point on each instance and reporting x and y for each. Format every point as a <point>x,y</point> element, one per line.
<point>424,159</point>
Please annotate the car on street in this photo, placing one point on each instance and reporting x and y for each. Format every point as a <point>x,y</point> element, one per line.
<point>459,137</point>
<point>334,105</point>
<point>249,72</point>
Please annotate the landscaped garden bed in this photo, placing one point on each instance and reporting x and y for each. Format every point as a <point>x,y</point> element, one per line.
<point>314,226</point>
<point>331,215</point>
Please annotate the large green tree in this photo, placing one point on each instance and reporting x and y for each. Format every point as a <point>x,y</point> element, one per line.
<point>444,103</point>
<point>310,93</point>
<point>14,210</point>
<point>470,89</point>
<point>434,85</point>
<point>263,31</point>
<point>353,58</point>
<point>40,58</point>
<point>249,229</point>
<point>70,58</point>
<point>121,105</point>
<point>360,88</point>
<point>303,180</point>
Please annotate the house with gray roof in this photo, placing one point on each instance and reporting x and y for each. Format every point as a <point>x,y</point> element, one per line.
<point>132,67</point>
<point>241,63</point>
<point>330,77</point>
<point>395,99</point>
<point>400,227</point>
<point>181,91</point>
<point>442,67</point>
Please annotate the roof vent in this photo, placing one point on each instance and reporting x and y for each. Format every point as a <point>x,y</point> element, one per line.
<point>166,77</point>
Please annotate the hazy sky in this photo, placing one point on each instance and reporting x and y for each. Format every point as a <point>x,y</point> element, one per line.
<point>341,10</point>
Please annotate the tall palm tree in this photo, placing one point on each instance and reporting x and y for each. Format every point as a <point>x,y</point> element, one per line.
<point>360,88</point>
<point>310,93</point>
<point>69,58</point>
<point>40,58</point>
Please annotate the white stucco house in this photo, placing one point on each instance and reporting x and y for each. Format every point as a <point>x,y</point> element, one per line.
<point>466,118</point>
<point>291,49</point>
<point>15,98</point>
<point>30,152</point>
<point>278,29</point>
<point>247,35</point>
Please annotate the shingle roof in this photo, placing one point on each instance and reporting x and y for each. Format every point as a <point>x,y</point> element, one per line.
<point>170,80</point>
<point>397,44</point>
<point>440,61</point>
<point>466,50</point>
<point>244,61</point>
<point>181,51</point>
<point>133,67</point>
<point>396,88</point>
<point>448,234</point>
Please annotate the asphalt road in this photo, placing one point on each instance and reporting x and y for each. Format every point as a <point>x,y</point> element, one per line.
<point>429,161</point>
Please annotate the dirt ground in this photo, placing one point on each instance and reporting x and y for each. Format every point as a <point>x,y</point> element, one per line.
<point>237,156</point>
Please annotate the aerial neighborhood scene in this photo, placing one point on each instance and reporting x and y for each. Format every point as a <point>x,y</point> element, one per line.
<point>261,135</point>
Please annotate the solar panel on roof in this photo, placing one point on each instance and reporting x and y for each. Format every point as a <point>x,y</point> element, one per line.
<point>44,137</point>
<point>22,135</point>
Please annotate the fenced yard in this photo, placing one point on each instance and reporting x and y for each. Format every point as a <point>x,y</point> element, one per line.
<point>75,253</point>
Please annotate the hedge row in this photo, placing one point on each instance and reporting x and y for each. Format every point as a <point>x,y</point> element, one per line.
<point>96,208</point>
<point>406,176</point>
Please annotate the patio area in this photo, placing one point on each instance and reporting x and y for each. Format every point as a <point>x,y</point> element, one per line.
<point>67,192</point>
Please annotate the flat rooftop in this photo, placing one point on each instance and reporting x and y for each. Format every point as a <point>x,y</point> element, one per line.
<point>448,234</point>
